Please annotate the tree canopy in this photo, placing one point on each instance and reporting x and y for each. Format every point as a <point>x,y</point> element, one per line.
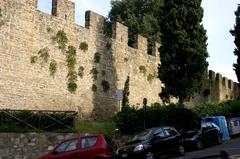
<point>184,50</point>
<point>176,24</point>
<point>236,34</point>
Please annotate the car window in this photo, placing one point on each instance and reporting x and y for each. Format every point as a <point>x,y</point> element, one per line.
<point>170,131</point>
<point>67,146</point>
<point>159,133</point>
<point>88,142</point>
<point>143,135</point>
<point>209,125</point>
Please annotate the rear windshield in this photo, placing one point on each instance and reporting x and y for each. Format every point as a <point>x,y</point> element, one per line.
<point>142,135</point>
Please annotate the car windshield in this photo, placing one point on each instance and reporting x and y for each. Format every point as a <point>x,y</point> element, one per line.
<point>143,135</point>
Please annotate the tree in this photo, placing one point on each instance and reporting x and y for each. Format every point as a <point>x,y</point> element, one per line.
<point>236,34</point>
<point>184,49</point>
<point>125,100</point>
<point>140,16</point>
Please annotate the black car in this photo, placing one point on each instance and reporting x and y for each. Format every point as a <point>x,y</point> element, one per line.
<point>151,143</point>
<point>208,134</point>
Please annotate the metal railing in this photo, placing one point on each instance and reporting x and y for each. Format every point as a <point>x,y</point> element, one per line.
<point>34,119</point>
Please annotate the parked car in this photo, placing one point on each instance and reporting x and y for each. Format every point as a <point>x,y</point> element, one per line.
<point>152,143</point>
<point>234,126</point>
<point>83,147</point>
<point>208,133</point>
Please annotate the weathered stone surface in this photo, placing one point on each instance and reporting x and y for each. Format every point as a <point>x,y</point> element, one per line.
<point>31,146</point>
<point>24,85</point>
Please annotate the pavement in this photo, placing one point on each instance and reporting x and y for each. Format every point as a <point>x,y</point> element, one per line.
<point>232,147</point>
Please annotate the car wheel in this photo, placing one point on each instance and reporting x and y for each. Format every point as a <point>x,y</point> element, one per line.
<point>199,145</point>
<point>219,139</point>
<point>181,150</point>
<point>150,155</point>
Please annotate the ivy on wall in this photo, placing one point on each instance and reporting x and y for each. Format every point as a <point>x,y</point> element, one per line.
<point>142,69</point>
<point>44,54</point>
<point>94,73</point>
<point>1,16</point>
<point>72,74</point>
<point>53,67</point>
<point>105,85</point>
<point>33,59</point>
<point>80,71</point>
<point>61,39</point>
<point>83,46</point>
<point>97,57</point>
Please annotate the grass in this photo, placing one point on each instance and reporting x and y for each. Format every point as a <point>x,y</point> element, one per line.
<point>106,127</point>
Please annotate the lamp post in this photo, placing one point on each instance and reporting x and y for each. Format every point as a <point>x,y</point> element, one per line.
<point>144,108</point>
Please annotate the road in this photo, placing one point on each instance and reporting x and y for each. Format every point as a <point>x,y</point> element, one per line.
<point>232,147</point>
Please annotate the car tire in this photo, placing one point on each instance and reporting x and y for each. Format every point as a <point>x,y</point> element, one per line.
<point>219,139</point>
<point>199,144</point>
<point>150,155</point>
<point>181,150</point>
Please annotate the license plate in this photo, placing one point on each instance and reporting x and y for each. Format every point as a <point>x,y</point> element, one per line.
<point>124,155</point>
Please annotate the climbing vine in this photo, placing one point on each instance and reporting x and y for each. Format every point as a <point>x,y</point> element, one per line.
<point>33,59</point>
<point>72,74</point>
<point>61,39</point>
<point>105,85</point>
<point>83,46</point>
<point>53,67</point>
<point>94,73</point>
<point>97,57</point>
<point>80,71</point>
<point>44,54</point>
<point>143,69</point>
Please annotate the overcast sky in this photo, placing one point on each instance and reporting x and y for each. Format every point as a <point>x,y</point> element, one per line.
<point>218,19</point>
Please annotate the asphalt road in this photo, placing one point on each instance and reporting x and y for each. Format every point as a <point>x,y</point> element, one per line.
<point>232,147</point>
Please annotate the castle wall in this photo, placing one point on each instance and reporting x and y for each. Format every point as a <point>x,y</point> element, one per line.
<point>219,89</point>
<point>26,85</point>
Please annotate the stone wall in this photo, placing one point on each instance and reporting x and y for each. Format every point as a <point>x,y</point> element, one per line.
<point>26,85</point>
<point>216,88</point>
<point>29,145</point>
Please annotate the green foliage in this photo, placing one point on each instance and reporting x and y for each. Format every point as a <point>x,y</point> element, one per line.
<point>143,69</point>
<point>61,39</point>
<point>1,13</point>
<point>108,45</point>
<point>236,34</point>
<point>126,93</point>
<point>41,121</point>
<point>80,71</point>
<point>130,119</point>
<point>184,49</point>
<point>107,127</point>
<point>1,20</point>
<point>103,72</point>
<point>44,54</point>
<point>206,92</point>
<point>150,77</point>
<point>49,29</point>
<point>97,57</point>
<point>105,85</point>
<point>94,73</point>
<point>140,16</point>
<point>33,59</point>
<point>53,67</point>
<point>72,74</point>
<point>83,46</point>
<point>94,88</point>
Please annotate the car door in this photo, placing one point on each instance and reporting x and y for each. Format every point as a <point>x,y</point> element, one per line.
<point>66,150</point>
<point>172,139</point>
<point>88,147</point>
<point>207,132</point>
<point>158,141</point>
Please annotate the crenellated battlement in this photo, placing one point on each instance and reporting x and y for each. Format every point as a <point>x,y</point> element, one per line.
<point>223,81</point>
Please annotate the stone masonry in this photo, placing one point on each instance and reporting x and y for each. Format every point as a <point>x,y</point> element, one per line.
<point>25,85</point>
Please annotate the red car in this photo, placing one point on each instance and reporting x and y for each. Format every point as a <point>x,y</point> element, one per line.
<point>83,147</point>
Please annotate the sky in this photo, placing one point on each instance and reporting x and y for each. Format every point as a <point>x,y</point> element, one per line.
<point>218,20</point>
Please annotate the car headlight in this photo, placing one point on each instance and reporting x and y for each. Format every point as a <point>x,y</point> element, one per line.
<point>138,148</point>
